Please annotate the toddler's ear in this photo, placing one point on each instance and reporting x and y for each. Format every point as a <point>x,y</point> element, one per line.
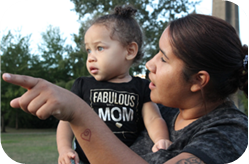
<point>132,50</point>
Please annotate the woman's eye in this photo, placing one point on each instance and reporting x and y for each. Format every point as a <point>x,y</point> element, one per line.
<point>163,60</point>
<point>100,48</point>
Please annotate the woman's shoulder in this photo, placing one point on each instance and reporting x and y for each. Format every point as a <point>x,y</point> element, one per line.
<point>227,112</point>
<point>222,134</point>
<point>214,137</point>
<point>225,119</point>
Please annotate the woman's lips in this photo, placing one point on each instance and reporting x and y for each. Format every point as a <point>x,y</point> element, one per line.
<point>152,85</point>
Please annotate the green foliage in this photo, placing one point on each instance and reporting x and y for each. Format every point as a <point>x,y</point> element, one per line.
<point>56,62</point>
<point>53,52</point>
<point>78,57</point>
<point>50,64</point>
<point>15,58</point>
<point>244,102</point>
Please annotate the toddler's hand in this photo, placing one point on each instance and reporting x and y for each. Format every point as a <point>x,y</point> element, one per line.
<point>66,156</point>
<point>161,144</point>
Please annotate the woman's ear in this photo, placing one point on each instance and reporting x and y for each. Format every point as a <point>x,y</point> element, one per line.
<point>132,50</point>
<point>200,80</point>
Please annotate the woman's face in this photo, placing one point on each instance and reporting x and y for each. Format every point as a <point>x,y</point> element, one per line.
<point>167,84</point>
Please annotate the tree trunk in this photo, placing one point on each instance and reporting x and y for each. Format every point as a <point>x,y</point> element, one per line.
<point>2,124</point>
<point>17,127</point>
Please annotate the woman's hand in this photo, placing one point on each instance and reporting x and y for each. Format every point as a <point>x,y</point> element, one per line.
<point>43,98</point>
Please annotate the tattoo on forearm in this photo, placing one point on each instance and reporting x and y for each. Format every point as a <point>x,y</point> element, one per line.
<point>86,135</point>
<point>190,160</point>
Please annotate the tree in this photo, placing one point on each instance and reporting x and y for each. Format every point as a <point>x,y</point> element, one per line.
<point>79,56</point>
<point>15,58</point>
<point>153,17</point>
<point>5,107</point>
<point>53,53</point>
<point>53,63</point>
<point>61,63</point>
<point>243,102</point>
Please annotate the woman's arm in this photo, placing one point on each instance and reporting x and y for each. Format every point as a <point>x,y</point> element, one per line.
<point>100,145</point>
<point>185,158</point>
<point>44,99</point>
<point>98,142</point>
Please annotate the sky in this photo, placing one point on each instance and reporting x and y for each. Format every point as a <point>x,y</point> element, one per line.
<point>33,17</point>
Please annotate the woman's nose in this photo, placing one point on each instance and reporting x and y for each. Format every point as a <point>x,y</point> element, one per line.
<point>150,65</point>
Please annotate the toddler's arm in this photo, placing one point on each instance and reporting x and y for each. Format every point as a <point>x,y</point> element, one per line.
<point>64,139</point>
<point>156,126</point>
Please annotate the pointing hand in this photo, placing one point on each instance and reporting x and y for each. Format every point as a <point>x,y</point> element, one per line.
<point>43,98</point>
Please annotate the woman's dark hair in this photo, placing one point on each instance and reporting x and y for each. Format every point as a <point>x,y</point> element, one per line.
<point>124,27</point>
<point>208,43</point>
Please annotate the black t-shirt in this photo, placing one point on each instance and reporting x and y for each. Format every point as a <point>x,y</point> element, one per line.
<point>219,137</point>
<point>119,105</point>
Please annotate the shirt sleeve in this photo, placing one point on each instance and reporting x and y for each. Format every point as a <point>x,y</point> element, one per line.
<point>146,95</point>
<point>223,141</point>
<point>77,87</point>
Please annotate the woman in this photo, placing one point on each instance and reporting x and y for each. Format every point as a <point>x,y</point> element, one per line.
<point>200,63</point>
<point>202,58</point>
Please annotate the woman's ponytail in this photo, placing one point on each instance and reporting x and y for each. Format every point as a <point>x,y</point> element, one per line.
<point>244,74</point>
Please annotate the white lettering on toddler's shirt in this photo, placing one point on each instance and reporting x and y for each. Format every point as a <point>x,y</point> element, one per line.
<point>112,105</point>
<point>113,97</point>
<point>122,114</point>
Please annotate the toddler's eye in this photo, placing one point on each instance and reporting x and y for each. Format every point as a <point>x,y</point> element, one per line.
<point>100,48</point>
<point>88,51</point>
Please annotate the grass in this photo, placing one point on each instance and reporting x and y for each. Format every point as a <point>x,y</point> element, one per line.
<point>30,146</point>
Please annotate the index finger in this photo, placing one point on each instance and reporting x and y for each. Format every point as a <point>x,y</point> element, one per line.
<point>27,82</point>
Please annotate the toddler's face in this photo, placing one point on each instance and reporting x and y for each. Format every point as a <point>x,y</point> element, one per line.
<point>106,57</point>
